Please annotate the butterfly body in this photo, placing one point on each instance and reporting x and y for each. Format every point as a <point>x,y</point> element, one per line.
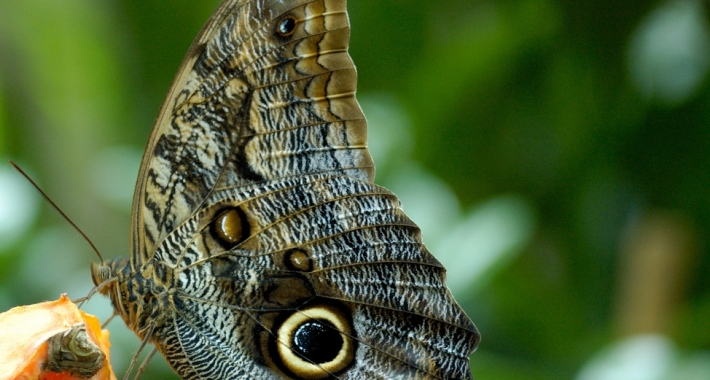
<point>261,247</point>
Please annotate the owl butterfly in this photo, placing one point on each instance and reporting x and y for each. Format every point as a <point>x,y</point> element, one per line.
<point>261,248</point>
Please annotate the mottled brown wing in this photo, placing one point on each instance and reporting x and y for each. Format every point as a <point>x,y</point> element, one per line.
<point>261,247</point>
<point>249,105</point>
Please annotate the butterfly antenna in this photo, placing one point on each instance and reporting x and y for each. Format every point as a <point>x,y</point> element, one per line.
<point>58,210</point>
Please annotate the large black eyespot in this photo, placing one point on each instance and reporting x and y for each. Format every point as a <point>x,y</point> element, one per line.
<point>286,26</point>
<point>315,342</point>
<point>230,227</point>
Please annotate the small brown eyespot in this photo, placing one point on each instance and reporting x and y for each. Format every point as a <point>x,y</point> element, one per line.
<point>230,227</point>
<point>299,260</point>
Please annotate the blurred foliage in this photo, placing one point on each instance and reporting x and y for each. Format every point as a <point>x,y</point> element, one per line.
<point>527,97</point>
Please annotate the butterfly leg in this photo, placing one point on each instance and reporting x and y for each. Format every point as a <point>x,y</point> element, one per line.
<point>115,313</point>
<point>144,365</point>
<point>97,289</point>
<point>134,359</point>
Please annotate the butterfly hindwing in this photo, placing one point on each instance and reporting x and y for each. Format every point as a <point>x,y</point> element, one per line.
<point>317,240</point>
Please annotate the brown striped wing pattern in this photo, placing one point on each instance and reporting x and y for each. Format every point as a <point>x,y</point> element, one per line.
<point>261,248</point>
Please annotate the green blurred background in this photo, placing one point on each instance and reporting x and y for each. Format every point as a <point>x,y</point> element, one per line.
<point>556,154</point>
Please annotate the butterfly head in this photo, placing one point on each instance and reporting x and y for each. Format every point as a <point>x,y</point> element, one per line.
<point>107,278</point>
<point>100,273</point>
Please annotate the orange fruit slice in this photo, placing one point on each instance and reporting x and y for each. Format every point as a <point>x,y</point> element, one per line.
<point>53,341</point>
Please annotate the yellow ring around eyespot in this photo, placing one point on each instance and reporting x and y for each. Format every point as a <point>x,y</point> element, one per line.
<point>298,365</point>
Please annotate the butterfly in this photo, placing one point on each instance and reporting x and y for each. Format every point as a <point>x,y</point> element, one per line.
<point>260,246</point>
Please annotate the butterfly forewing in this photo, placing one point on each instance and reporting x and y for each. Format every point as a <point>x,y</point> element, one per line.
<point>260,246</point>
<point>241,115</point>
